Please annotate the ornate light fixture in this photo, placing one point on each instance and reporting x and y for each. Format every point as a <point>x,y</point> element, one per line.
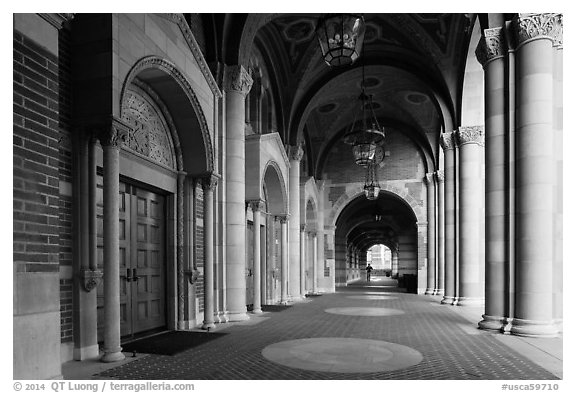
<point>340,37</point>
<point>371,185</point>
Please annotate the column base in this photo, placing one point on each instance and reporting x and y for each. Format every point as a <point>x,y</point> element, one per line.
<point>448,300</point>
<point>257,311</point>
<point>238,316</point>
<point>469,301</point>
<point>429,291</point>
<point>531,328</point>
<point>208,325</point>
<point>439,292</point>
<point>490,322</point>
<point>221,317</point>
<point>84,353</point>
<point>110,357</point>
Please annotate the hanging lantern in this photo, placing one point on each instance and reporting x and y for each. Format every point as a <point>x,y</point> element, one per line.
<point>371,186</point>
<point>365,135</point>
<point>340,37</point>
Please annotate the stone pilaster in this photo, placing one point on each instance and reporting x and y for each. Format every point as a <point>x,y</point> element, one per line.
<point>295,154</point>
<point>111,138</point>
<point>303,259</point>
<point>448,144</point>
<point>536,36</point>
<point>237,83</point>
<point>471,266</point>
<point>491,53</point>
<point>431,242</point>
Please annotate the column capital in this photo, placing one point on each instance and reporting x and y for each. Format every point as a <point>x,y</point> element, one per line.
<point>256,204</point>
<point>440,176</point>
<point>209,182</point>
<point>113,132</point>
<point>492,45</point>
<point>429,178</point>
<point>531,26</point>
<point>447,140</point>
<point>303,228</point>
<point>237,79</point>
<point>283,218</point>
<point>295,153</point>
<point>473,134</point>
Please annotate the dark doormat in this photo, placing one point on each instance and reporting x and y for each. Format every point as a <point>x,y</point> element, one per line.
<point>269,307</point>
<point>170,343</point>
<point>313,294</point>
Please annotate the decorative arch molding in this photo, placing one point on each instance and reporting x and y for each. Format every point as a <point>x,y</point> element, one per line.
<point>283,188</point>
<point>353,193</point>
<point>170,69</point>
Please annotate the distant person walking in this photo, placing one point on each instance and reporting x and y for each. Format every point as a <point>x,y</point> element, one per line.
<point>368,272</point>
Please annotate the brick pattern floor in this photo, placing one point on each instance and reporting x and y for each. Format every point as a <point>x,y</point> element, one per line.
<point>449,351</point>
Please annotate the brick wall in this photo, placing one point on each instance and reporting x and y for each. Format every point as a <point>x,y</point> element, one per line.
<point>36,157</point>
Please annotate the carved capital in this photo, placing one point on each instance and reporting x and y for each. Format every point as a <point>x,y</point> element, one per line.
<point>447,140</point>
<point>192,275</point>
<point>527,27</point>
<point>295,153</point>
<point>257,205</point>
<point>474,134</point>
<point>91,279</point>
<point>429,178</point>
<point>303,228</point>
<point>440,176</point>
<point>210,182</point>
<point>113,134</point>
<point>282,218</point>
<point>492,46</point>
<point>237,79</point>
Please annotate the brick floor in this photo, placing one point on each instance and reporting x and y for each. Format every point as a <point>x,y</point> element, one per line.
<point>450,351</point>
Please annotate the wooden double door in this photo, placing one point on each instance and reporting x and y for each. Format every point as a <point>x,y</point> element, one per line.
<point>142,236</point>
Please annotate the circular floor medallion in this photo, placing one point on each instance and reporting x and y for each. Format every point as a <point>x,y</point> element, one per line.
<point>372,297</point>
<point>364,311</point>
<point>342,355</point>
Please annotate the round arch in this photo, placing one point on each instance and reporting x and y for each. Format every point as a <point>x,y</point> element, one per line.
<point>194,151</point>
<point>353,193</point>
<point>276,188</point>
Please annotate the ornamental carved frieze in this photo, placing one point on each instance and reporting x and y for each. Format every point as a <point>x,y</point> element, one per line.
<point>149,134</point>
<point>492,45</point>
<point>447,140</point>
<point>528,27</point>
<point>295,153</point>
<point>473,134</point>
<point>237,79</point>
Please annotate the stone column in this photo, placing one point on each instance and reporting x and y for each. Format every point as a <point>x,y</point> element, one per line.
<point>284,259</point>
<point>237,83</point>
<point>209,186</point>
<point>263,262</point>
<point>257,207</point>
<point>440,260</point>
<point>111,140</point>
<point>321,256</point>
<point>536,36</point>
<point>314,262</point>
<point>447,143</point>
<point>303,259</point>
<point>394,262</point>
<point>295,154</point>
<point>471,266</point>
<point>431,244</point>
<point>491,53</point>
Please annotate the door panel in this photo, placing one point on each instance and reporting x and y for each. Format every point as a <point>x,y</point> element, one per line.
<point>142,260</point>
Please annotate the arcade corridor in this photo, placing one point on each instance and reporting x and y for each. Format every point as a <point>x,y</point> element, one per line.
<point>412,338</point>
